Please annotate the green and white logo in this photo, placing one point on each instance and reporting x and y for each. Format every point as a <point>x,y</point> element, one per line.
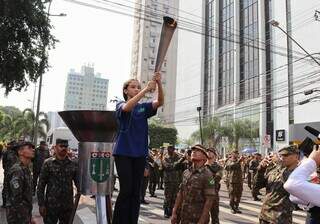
<point>100,166</point>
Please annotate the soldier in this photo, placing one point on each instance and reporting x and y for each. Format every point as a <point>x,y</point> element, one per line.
<point>10,157</point>
<point>144,186</point>
<point>233,166</point>
<point>276,207</point>
<point>197,191</point>
<point>249,174</point>
<point>41,154</point>
<point>171,180</point>
<point>160,185</point>
<point>19,204</point>
<point>154,164</point>
<point>217,173</point>
<point>253,166</point>
<point>57,174</point>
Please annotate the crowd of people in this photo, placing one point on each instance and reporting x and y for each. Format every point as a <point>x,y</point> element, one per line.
<point>191,180</point>
<point>51,177</point>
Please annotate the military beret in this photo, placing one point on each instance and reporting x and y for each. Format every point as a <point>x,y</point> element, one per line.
<point>235,151</point>
<point>289,150</point>
<point>257,154</point>
<point>200,148</point>
<point>43,143</point>
<point>62,142</point>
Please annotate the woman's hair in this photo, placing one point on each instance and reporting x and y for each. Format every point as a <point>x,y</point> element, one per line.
<point>125,86</point>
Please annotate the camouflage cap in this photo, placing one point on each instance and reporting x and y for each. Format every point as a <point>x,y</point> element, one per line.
<point>289,150</point>
<point>62,142</point>
<point>235,151</point>
<point>213,150</point>
<point>200,148</point>
<point>22,144</point>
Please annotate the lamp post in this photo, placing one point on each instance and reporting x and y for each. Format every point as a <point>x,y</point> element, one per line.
<point>201,138</point>
<point>276,24</point>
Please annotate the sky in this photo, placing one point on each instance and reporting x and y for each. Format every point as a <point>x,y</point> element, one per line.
<point>85,36</point>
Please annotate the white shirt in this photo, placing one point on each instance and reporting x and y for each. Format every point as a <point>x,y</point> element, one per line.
<point>301,190</point>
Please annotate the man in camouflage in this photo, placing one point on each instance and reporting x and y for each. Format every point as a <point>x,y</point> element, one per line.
<point>154,163</point>
<point>217,173</point>
<point>233,167</point>
<point>55,187</point>
<point>197,191</point>
<point>41,154</point>
<point>276,207</point>
<point>170,179</point>
<point>253,166</point>
<point>19,203</point>
<point>9,158</point>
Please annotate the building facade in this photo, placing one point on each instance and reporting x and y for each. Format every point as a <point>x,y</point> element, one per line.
<point>86,90</point>
<point>147,29</point>
<point>252,70</point>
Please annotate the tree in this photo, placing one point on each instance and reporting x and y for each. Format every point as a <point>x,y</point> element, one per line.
<point>239,129</point>
<point>212,132</point>
<point>14,127</point>
<point>25,40</point>
<point>160,134</point>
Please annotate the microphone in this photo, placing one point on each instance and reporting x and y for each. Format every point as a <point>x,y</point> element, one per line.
<point>313,131</point>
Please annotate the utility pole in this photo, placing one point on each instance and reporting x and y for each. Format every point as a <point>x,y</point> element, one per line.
<point>201,137</point>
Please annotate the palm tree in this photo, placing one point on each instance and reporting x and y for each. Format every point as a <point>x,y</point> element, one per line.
<point>29,120</point>
<point>6,126</point>
<point>238,129</point>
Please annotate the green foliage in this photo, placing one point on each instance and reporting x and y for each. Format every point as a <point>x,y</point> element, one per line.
<point>15,124</point>
<point>213,131</point>
<point>160,134</point>
<point>25,40</point>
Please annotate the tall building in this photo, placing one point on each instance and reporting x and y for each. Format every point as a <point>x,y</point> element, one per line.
<point>233,61</point>
<point>147,29</point>
<point>86,90</point>
<point>252,70</point>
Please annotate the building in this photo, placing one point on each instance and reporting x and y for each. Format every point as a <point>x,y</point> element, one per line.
<point>252,70</point>
<point>147,29</point>
<point>86,90</point>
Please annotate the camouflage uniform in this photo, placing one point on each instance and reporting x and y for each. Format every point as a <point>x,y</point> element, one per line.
<point>10,157</point>
<point>171,178</point>
<point>40,155</point>
<point>253,166</point>
<point>154,176</point>
<point>56,177</point>
<point>276,208</point>
<point>235,180</point>
<point>249,175</point>
<point>19,203</point>
<point>197,186</point>
<point>227,174</point>
<point>217,172</point>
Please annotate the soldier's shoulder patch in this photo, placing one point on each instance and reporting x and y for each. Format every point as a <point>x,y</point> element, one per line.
<point>15,184</point>
<point>211,181</point>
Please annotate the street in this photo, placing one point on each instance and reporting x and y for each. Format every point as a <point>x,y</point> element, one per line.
<point>153,213</point>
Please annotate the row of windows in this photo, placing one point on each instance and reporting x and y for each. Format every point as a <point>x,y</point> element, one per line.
<point>76,78</point>
<point>249,54</point>
<point>226,53</point>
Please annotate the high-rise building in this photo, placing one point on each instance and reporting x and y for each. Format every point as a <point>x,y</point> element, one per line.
<point>253,70</point>
<point>147,29</point>
<point>86,90</point>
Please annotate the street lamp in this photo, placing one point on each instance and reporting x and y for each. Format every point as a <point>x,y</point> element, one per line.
<point>201,138</point>
<point>310,91</point>
<point>276,24</point>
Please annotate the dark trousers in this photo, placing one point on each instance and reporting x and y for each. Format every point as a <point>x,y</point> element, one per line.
<point>144,186</point>
<point>130,172</point>
<point>55,214</point>
<point>35,177</point>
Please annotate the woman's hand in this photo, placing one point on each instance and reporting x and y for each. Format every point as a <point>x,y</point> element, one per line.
<point>151,86</point>
<point>157,77</point>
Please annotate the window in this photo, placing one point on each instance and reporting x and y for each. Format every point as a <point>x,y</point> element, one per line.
<point>226,53</point>
<point>249,53</point>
